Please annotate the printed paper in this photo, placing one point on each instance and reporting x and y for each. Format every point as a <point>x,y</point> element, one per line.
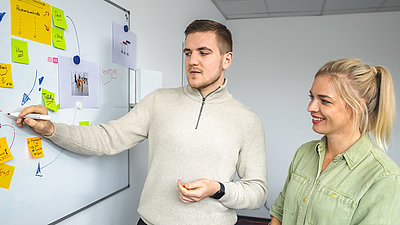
<point>124,47</point>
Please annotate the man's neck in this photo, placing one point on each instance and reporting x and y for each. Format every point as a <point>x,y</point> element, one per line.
<point>207,90</point>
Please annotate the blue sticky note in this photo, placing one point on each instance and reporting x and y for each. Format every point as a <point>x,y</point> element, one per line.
<point>2,15</point>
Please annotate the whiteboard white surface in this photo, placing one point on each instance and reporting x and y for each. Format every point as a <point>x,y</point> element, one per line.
<point>70,181</point>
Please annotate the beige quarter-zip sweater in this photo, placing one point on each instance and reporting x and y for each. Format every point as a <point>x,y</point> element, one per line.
<point>190,137</point>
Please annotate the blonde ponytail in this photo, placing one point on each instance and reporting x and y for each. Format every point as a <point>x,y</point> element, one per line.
<point>383,118</point>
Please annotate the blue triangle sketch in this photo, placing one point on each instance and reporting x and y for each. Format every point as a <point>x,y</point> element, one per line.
<point>38,171</point>
<point>25,98</point>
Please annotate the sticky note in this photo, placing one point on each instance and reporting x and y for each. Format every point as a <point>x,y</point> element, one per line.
<point>83,123</point>
<point>19,51</point>
<point>58,18</point>
<point>48,98</point>
<point>6,174</point>
<point>6,76</point>
<point>58,38</point>
<point>5,154</point>
<point>35,146</point>
<point>31,19</point>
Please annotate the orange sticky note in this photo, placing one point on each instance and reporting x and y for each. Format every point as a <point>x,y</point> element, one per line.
<point>31,19</point>
<point>6,76</point>
<point>6,174</point>
<point>5,153</point>
<point>35,146</point>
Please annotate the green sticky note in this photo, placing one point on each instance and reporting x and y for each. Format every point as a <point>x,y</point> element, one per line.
<point>58,17</point>
<point>58,38</point>
<point>19,51</point>
<point>83,123</point>
<point>48,98</point>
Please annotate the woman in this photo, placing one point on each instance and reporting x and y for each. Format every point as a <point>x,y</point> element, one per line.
<point>344,178</point>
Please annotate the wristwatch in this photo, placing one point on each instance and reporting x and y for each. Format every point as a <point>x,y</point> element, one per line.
<point>219,193</point>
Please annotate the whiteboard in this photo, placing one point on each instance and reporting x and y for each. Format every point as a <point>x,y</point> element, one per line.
<point>69,182</point>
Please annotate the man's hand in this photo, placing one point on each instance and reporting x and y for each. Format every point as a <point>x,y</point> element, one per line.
<point>197,191</point>
<point>43,127</point>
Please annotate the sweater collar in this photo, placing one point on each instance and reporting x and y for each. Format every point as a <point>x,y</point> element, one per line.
<point>220,94</point>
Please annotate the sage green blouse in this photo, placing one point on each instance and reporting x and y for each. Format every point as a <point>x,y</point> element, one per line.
<point>360,186</point>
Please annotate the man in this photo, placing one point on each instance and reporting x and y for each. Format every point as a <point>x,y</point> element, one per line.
<point>198,134</point>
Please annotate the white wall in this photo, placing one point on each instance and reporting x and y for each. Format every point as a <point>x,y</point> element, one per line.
<point>274,64</point>
<point>273,67</point>
<point>159,26</point>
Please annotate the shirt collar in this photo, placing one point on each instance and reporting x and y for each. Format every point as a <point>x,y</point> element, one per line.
<point>221,94</point>
<point>355,154</point>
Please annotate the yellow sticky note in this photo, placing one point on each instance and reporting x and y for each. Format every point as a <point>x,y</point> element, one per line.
<point>58,38</point>
<point>19,51</point>
<point>31,19</point>
<point>83,123</point>
<point>5,154</point>
<point>35,146</point>
<point>6,76</point>
<point>6,174</point>
<point>58,18</point>
<point>48,98</point>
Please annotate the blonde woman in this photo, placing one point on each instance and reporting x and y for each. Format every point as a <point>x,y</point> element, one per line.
<point>345,178</point>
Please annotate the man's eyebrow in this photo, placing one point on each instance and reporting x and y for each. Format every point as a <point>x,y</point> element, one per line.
<point>204,48</point>
<point>199,49</point>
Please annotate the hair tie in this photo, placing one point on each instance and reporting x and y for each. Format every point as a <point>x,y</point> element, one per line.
<point>378,78</point>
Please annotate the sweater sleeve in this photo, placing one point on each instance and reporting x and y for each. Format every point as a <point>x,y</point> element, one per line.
<point>110,138</point>
<point>250,191</point>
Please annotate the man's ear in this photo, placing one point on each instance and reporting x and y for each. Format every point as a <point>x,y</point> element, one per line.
<point>227,60</point>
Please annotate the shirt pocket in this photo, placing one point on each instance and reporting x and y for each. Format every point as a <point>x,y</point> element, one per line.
<point>331,207</point>
<point>294,193</point>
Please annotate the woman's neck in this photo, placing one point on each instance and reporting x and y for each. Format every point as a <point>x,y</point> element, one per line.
<point>339,143</point>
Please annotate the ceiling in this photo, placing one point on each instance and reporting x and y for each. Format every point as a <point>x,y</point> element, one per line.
<point>245,9</point>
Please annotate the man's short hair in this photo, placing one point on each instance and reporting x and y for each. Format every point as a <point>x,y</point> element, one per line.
<point>224,36</point>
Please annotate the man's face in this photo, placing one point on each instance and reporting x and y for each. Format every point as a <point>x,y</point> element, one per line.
<point>204,63</point>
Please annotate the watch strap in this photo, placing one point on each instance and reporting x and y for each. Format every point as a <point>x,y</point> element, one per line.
<point>220,192</point>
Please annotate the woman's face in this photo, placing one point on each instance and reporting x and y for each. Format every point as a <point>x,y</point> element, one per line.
<point>330,113</point>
